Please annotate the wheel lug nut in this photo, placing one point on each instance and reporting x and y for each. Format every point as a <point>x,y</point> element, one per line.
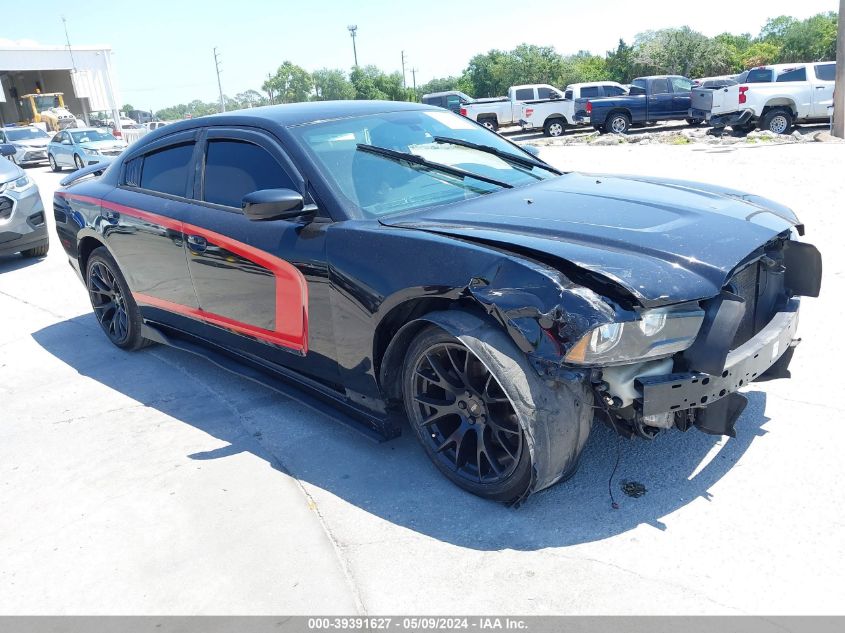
<point>462,404</point>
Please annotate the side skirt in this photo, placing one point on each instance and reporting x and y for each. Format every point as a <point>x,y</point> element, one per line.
<point>304,391</point>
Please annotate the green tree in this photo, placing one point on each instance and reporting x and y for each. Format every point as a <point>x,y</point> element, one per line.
<point>290,84</point>
<point>370,82</point>
<point>440,84</point>
<point>621,65</point>
<point>759,54</point>
<point>332,84</point>
<point>810,40</point>
<point>127,107</point>
<point>681,51</point>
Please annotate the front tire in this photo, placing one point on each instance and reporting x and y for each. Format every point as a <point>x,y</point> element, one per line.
<point>463,419</point>
<point>777,120</point>
<point>53,164</point>
<point>114,307</point>
<point>37,251</point>
<point>78,161</point>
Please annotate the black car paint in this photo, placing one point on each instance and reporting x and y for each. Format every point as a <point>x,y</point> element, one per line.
<point>495,255</point>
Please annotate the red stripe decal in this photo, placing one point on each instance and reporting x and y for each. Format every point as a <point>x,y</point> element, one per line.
<point>291,288</point>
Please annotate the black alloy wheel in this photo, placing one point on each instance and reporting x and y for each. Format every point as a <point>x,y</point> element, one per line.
<point>108,302</point>
<point>114,308</point>
<point>463,417</point>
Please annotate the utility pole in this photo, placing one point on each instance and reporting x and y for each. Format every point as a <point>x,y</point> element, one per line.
<point>414,75</point>
<point>69,49</point>
<point>353,31</point>
<point>839,85</point>
<point>270,88</point>
<point>219,85</point>
<point>404,83</point>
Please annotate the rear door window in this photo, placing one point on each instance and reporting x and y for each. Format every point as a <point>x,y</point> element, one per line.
<point>588,92</point>
<point>757,76</point>
<point>660,86</point>
<point>167,170</point>
<point>524,94</point>
<point>547,93</point>
<point>234,168</point>
<point>825,72</point>
<point>681,84</point>
<point>613,91</point>
<point>793,74</point>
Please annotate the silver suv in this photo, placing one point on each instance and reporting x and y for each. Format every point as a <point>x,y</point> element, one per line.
<point>23,226</point>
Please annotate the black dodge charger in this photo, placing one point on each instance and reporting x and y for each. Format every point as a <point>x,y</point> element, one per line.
<point>392,261</point>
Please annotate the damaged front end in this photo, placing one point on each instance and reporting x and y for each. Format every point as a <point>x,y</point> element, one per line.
<point>676,365</point>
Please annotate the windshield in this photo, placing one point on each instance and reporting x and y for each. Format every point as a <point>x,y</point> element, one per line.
<point>376,186</point>
<point>25,134</point>
<point>89,136</point>
<point>45,102</point>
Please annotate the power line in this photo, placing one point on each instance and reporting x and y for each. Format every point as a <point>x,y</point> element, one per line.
<point>219,85</point>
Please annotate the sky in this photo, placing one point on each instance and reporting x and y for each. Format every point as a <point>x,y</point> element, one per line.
<point>163,48</point>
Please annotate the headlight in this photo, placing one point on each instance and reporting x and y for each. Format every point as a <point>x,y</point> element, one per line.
<point>21,184</point>
<point>93,152</point>
<point>658,332</point>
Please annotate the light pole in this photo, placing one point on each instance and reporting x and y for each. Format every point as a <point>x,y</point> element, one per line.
<point>353,31</point>
<point>839,85</point>
<point>219,85</point>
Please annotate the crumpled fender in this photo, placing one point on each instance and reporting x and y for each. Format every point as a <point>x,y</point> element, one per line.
<point>556,415</point>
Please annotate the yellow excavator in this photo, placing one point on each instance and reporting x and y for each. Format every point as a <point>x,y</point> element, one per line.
<point>48,108</point>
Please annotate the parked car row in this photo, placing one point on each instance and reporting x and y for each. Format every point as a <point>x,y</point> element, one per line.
<point>770,97</point>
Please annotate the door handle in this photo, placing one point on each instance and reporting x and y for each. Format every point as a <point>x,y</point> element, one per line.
<point>820,87</point>
<point>197,243</point>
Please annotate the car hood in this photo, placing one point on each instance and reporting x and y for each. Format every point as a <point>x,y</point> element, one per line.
<point>664,241</point>
<point>101,145</point>
<point>33,143</point>
<point>9,171</point>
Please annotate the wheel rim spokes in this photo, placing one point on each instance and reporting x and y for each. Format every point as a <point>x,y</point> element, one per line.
<point>108,302</point>
<point>465,415</point>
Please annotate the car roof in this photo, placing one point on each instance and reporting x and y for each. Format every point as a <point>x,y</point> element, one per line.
<point>589,84</point>
<point>294,114</point>
<point>83,129</point>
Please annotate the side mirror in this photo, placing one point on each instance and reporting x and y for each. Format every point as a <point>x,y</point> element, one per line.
<point>7,149</point>
<point>273,204</point>
<point>532,149</point>
<point>66,141</point>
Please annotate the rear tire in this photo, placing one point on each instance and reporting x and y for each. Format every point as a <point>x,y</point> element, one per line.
<point>554,127</point>
<point>490,123</point>
<point>114,307</point>
<point>777,120</point>
<point>618,123</point>
<point>37,251</point>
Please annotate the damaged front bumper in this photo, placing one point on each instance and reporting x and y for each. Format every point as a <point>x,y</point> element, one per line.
<point>711,395</point>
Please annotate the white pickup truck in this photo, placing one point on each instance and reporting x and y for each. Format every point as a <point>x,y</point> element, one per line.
<point>553,117</point>
<point>769,97</point>
<point>500,111</point>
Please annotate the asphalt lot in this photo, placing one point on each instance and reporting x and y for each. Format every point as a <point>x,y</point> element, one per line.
<point>157,483</point>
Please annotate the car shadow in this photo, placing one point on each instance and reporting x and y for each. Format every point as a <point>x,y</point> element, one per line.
<point>9,263</point>
<point>394,480</point>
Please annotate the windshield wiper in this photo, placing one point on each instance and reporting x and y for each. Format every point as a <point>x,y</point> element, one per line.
<point>505,156</point>
<point>413,159</point>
